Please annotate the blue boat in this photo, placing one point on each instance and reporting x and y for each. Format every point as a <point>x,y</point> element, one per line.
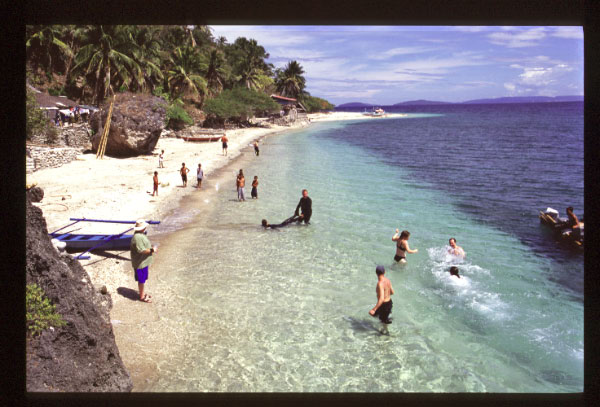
<point>75,242</point>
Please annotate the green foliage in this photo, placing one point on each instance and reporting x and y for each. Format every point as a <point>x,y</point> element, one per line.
<point>315,104</point>
<point>40,313</point>
<point>35,120</point>
<point>176,116</point>
<point>239,104</point>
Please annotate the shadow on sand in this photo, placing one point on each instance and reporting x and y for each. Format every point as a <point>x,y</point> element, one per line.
<point>129,293</point>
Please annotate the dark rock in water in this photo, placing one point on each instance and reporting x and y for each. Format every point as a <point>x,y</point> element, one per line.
<point>136,123</point>
<point>81,356</point>
<point>36,194</point>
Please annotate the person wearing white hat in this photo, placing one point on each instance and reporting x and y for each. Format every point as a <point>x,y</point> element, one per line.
<point>142,253</point>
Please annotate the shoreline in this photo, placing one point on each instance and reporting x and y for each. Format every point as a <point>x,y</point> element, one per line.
<point>120,189</point>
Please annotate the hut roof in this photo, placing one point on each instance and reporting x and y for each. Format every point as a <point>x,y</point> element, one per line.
<point>46,101</point>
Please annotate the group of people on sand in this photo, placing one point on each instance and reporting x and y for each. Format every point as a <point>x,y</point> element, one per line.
<point>384,289</point>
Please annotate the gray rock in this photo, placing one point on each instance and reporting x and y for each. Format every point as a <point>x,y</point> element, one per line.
<point>135,127</point>
<point>36,194</point>
<point>81,356</point>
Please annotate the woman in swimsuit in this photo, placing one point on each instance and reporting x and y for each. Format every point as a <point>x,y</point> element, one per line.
<point>402,245</point>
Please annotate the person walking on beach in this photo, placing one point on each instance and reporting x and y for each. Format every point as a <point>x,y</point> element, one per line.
<point>384,290</point>
<point>155,179</point>
<point>224,140</point>
<point>256,150</point>
<point>184,171</point>
<point>161,157</point>
<point>240,182</point>
<point>455,249</point>
<point>142,253</point>
<point>254,192</point>
<point>402,245</point>
<point>199,176</point>
<point>306,205</point>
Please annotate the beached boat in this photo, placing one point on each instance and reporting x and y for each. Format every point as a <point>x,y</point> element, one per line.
<point>557,224</point>
<point>375,112</point>
<point>76,242</point>
<point>202,137</point>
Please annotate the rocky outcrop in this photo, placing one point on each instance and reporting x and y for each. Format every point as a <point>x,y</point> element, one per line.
<point>136,124</point>
<point>36,194</point>
<point>81,356</point>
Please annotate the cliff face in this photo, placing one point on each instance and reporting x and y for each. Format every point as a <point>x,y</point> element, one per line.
<point>81,356</point>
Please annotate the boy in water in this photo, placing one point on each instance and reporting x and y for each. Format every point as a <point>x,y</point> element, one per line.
<point>183,171</point>
<point>456,249</point>
<point>199,176</point>
<point>155,179</point>
<point>256,150</point>
<point>384,289</point>
<point>454,271</point>
<point>254,192</point>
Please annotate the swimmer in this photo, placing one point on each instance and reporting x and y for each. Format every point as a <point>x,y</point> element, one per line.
<point>286,222</point>
<point>402,246</point>
<point>454,271</point>
<point>456,249</point>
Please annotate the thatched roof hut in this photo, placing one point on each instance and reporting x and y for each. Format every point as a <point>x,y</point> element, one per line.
<point>288,102</point>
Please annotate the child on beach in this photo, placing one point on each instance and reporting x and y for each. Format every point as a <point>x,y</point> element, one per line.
<point>199,175</point>
<point>155,179</point>
<point>402,245</point>
<point>183,171</point>
<point>254,192</point>
<point>224,140</point>
<point>256,150</point>
<point>160,159</point>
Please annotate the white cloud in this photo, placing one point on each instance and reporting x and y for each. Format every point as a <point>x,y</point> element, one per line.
<point>264,35</point>
<point>471,29</point>
<point>537,80</point>
<point>569,32</point>
<point>518,39</point>
<point>400,51</point>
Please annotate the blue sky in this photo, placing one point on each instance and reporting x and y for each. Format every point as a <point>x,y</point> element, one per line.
<point>390,64</point>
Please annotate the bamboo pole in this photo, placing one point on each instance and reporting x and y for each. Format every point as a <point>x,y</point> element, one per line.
<point>104,138</point>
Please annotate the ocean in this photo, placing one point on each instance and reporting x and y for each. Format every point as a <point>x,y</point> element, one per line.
<point>243,309</point>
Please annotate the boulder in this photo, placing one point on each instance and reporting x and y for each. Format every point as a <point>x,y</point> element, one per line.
<point>136,124</point>
<point>36,194</point>
<point>81,356</point>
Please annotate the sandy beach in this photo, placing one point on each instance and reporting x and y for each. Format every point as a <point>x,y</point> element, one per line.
<point>120,189</point>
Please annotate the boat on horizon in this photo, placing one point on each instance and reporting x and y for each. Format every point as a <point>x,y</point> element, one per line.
<point>375,112</point>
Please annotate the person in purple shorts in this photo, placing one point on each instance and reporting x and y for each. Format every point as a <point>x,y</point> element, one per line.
<point>141,257</point>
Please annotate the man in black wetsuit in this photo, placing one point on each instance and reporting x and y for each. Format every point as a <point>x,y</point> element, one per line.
<point>286,222</point>
<point>306,205</point>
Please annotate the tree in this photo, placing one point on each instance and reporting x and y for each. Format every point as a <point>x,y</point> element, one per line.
<point>290,82</point>
<point>248,61</point>
<point>184,77</point>
<point>106,59</point>
<point>315,104</point>
<point>45,47</point>
<point>238,105</point>
<point>147,54</point>
<point>215,72</point>
<point>36,123</point>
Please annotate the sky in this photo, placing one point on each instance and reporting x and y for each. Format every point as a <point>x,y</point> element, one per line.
<point>391,64</point>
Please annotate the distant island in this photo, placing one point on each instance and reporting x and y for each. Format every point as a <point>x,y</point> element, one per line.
<point>515,99</point>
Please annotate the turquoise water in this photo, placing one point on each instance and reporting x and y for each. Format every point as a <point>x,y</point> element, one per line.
<point>256,310</point>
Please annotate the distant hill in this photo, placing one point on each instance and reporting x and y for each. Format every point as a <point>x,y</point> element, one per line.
<point>354,104</point>
<point>421,102</point>
<point>526,99</point>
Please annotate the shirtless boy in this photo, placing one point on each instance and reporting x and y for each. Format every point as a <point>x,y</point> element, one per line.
<point>384,289</point>
<point>184,171</point>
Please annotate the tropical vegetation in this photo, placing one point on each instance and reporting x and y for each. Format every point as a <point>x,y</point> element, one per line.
<point>186,65</point>
<point>40,312</point>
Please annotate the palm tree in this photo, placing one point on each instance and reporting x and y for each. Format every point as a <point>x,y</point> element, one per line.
<point>215,72</point>
<point>106,59</point>
<point>44,42</point>
<point>290,82</point>
<point>248,61</point>
<point>147,55</point>
<point>183,76</point>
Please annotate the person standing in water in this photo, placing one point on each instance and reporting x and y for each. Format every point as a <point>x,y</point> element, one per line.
<point>256,150</point>
<point>240,182</point>
<point>155,181</point>
<point>402,245</point>
<point>384,290</point>
<point>306,205</point>
<point>224,140</point>
<point>455,249</point>
<point>254,192</point>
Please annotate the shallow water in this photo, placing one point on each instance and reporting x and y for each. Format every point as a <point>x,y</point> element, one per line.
<point>247,309</point>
